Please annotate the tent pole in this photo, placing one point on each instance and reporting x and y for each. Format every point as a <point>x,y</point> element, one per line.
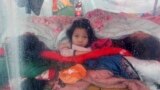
<point>155,7</point>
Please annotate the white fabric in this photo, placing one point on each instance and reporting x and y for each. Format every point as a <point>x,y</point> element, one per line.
<point>122,26</point>
<point>61,36</point>
<point>128,6</point>
<point>149,71</point>
<point>44,33</point>
<point>113,29</point>
<point>46,9</point>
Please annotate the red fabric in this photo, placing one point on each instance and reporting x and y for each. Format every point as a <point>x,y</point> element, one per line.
<point>101,43</point>
<point>54,7</point>
<point>81,58</point>
<point>47,75</point>
<point>51,74</point>
<point>2,52</point>
<point>6,87</point>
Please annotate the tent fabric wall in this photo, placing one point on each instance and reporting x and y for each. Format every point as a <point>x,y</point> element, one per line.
<point>117,6</point>
<point>115,27</point>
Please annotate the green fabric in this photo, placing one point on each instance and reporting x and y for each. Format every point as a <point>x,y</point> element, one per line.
<point>27,69</point>
<point>3,71</point>
<point>32,69</point>
<point>67,11</point>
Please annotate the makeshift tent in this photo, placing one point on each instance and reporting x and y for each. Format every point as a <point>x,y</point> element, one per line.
<point>46,21</point>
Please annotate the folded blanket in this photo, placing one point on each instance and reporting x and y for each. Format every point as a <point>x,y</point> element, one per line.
<point>104,79</point>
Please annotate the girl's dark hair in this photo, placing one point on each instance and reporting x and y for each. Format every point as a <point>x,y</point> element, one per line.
<point>146,48</point>
<point>85,24</point>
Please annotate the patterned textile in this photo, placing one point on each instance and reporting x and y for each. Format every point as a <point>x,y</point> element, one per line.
<point>117,64</point>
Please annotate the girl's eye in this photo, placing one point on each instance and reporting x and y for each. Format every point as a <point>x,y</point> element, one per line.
<point>76,35</point>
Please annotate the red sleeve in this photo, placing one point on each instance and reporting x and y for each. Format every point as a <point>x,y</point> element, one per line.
<point>51,55</point>
<point>101,43</point>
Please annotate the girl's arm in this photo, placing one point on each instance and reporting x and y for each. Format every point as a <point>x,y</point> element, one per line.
<point>70,52</point>
<point>77,50</point>
<point>80,52</point>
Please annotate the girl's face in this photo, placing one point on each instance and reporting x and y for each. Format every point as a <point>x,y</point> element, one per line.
<point>80,37</point>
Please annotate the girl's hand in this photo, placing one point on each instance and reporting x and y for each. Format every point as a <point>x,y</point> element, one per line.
<point>67,52</point>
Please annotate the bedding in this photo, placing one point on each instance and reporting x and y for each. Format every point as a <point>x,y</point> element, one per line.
<point>152,18</point>
<point>109,25</point>
<point>149,74</point>
<point>35,66</point>
<point>116,64</point>
<point>114,25</point>
<point>106,80</point>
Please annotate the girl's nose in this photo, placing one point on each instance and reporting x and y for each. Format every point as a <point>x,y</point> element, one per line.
<point>80,39</point>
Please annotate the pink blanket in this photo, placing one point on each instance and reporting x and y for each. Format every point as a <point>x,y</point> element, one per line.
<point>105,79</point>
<point>97,17</point>
<point>155,19</point>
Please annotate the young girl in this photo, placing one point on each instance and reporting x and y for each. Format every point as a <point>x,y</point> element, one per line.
<point>75,41</point>
<point>81,36</point>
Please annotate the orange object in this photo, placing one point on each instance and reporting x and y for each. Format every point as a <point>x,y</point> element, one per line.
<point>72,74</point>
